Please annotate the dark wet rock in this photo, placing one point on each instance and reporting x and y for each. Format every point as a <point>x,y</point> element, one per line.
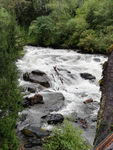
<point>90,100</point>
<point>53,118</point>
<point>87,76</point>
<point>36,99</point>
<point>40,133</point>
<point>37,77</point>
<point>53,101</point>
<point>28,133</point>
<point>25,145</point>
<point>34,136</point>
<point>31,89</point>
<point>38,72</point>
<point>33,142</point>
<point>35,132</point>
<point>26,76</point>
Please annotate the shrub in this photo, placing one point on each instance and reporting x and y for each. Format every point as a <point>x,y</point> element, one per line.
<point>66,137</point>
<point>10,94</point>
<point>88,40</point>
<point>41,31</point>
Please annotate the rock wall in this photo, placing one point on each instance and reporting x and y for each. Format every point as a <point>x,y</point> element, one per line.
<point>105,115</point>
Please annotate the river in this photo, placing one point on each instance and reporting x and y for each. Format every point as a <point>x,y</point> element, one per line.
<point>63,67</point>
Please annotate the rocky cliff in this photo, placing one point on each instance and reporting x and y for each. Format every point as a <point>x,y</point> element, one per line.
<point>105,115</point>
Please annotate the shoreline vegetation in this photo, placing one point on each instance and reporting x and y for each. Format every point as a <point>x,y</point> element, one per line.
<point>75,24</point>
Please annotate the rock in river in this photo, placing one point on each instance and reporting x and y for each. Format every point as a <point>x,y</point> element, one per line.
<point>34,136</point>
<point>87,76</point>
<point>35,132</point>
<point>36,99</point>
<point>53,101</point>
<point>37,76</point>
<point>53,118</point>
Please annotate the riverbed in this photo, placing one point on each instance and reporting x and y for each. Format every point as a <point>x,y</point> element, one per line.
<point>64,69</point>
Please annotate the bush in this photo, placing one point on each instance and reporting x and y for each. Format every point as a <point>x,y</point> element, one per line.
<point>25,12</point>
<point>10,94</point>
<point>66,137</point>
<point>88,40</point>
<point>41,31</point>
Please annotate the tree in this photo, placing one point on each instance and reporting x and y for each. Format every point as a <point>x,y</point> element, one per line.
<point>42,30</point>
<point>10,94</point>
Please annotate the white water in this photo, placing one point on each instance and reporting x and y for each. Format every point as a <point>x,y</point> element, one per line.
<point>69,65</point>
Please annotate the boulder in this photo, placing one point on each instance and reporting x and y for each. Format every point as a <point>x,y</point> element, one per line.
<point>37,76</point>
<point>28,133</point>
<point>33,142</point>
<point>33,131</point>
<point>31,89</point>
<point>38,72</point>
<point>90,100</point>
<point>87,76</point>
<point>53,118</point>
<point>26,76</point>
<point>34,136</point>
<point>36,99</point>
<point>53,101</point>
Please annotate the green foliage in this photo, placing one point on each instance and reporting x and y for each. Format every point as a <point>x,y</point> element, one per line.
<point>58,23</point>
<point>88,40</point>
<point>10,95</point>
<point>83,24</point>
<point>40,7</point>
<point>99,23</point>
<point>66,137</point>
<point>39,27</point>
<point>25,11</point>
<point>76,24</point>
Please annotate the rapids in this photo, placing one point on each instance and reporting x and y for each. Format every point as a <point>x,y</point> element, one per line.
<point>63,67</point>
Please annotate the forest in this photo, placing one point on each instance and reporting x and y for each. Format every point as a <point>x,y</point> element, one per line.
<point>86,25</point>
<point>76,24</point>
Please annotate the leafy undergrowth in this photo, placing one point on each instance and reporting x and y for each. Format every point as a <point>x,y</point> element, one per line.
<point>66,137</point>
